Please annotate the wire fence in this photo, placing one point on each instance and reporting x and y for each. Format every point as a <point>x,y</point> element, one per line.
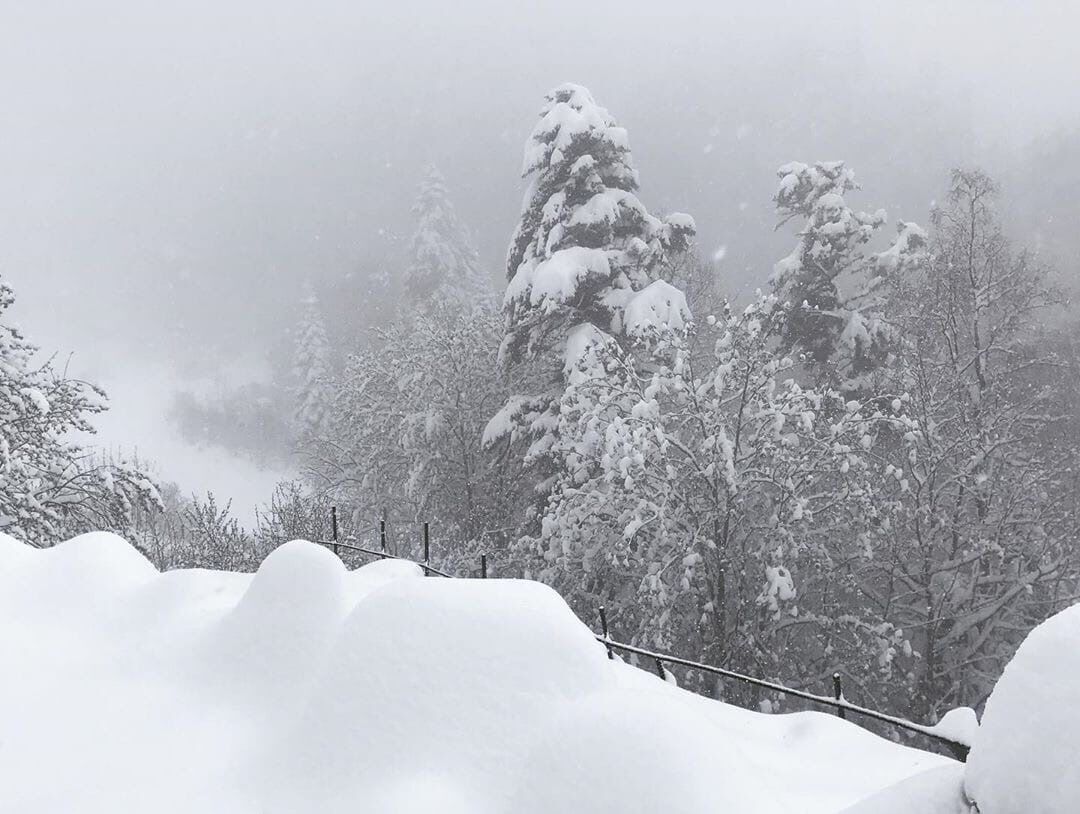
<point>836,702</point>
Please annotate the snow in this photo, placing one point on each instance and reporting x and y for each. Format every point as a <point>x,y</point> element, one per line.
<point>960,724</point>
<point>503,422</point>
<point>658,305</point>
<point>554,281</point>
<point>570,112</point>
<point>306,687</point>
<point>1026,756</point>
<point>581,342</point>
<point>37,398</point>
<point>935,791</point>
<point>557,278</point>
<point>910,238</point>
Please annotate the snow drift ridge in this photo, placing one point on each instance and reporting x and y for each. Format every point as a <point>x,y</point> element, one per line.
<point>307,687</point>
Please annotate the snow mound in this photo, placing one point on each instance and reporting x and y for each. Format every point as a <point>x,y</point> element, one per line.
<point>447,674</point>
<point>1026,756</point>
<point>305,688</point>
<point>624,755</point>
<point>91,570</point>
<point>284,624</point>
<point>936,791</point>
<point>12,551</point>
<point>960,724</point>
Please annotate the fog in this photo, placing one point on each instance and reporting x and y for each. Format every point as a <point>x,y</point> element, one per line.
<point>172,173</point>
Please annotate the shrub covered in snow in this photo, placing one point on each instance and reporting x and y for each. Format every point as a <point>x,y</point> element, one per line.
<point>52,486</point>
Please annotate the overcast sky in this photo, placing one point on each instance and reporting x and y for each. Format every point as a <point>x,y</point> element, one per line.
<point>170,172</point>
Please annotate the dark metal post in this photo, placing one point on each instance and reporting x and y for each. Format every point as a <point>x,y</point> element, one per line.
<point>427,545</point>
<point>603,627</point>
<point>333,527</point>
<point>838,694</point>
<point>959,751</point>
<point>382,535</point>
<point>483,566</point>
<point>660,670</point>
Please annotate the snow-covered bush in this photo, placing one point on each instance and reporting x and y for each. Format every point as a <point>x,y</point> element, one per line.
<point>712,503</point>
<point>50,485</point>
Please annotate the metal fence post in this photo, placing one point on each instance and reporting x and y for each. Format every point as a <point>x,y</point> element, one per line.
<point>603,627</point>
<point>382,535</point>
<point>483,566</point>
<point>660,670</point>
<point>333,527</point>
<point>427,546</point>
<point>838,694</point>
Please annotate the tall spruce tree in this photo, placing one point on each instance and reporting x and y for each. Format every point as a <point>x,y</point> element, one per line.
<point>584,245</point>
<point>445,268</point>
<point>312,369</point>
<point>586,263</point>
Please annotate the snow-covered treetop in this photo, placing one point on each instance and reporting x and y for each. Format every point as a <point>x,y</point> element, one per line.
<point>571,113</point>
<point>829,285</point>
<point>833,230</point>
<point>802,185</point>
<point>585,243</point>
<point>906,254</point>
<point>444,266</point>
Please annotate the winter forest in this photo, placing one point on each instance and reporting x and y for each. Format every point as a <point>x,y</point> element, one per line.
<point>838,438</point>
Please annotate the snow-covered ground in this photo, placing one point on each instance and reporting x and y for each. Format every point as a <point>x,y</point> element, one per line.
<point>309,688</point>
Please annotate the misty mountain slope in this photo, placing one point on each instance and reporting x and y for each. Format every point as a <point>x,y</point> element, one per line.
<point>306,687</point>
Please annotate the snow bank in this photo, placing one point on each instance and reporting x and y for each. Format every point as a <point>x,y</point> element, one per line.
<point>1026,755</point>
<point>935,791</point>
<point>308,688</point>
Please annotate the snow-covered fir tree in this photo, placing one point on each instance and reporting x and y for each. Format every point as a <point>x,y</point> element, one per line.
<point>584,245</point>
<point>312,368</point>
<point>50,486</point>
<point>444,266</point>
<point>587,261</point>
<point>829,284</point>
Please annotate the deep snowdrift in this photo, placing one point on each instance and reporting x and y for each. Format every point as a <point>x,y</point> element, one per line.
<point>308,688</point>
<point>1026,758</point>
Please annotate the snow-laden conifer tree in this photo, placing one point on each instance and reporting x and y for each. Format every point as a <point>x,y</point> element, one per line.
<point>830,285</point>
<point>445,267</point>
<point>312,369</point>
<point>52,488</point>
<point>587,261</point>
<point>585,245</point>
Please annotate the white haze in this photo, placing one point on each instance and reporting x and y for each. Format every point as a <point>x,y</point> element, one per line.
<point>169,174</point>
